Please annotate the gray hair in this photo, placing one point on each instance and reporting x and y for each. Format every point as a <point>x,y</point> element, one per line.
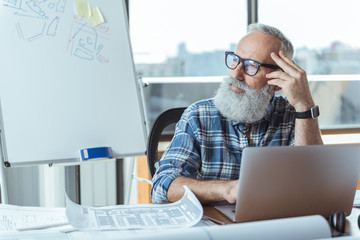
<point>286,45</point>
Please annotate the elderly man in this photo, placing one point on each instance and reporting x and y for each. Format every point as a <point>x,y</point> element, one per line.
<point>205,153</point>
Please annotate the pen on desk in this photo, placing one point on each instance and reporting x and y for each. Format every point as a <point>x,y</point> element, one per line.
<point>37,227</point>
<point>213,220</point>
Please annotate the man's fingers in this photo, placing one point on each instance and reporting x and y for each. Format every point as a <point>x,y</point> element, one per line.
<point>279,75</point>
<point>288,68</point>
<point>289,61</point>
<point>277,82</point>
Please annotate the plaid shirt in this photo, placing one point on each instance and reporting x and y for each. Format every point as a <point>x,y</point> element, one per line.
<point>208,146</point>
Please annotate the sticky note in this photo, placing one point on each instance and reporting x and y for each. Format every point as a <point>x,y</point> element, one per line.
<point>83,8</point>
<point>96,17</point>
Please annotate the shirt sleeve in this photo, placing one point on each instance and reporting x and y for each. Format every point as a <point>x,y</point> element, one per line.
<point>181,158</point>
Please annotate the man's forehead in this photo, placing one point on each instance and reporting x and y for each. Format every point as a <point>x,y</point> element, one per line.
<point>259,45</point>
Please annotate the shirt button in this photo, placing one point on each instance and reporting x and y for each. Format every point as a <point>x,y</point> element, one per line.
<point>244,136</point>
<point>231,123</point>
<point>245,128</point>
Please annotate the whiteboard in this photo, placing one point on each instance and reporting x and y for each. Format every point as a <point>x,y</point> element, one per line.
<point>65,85</point>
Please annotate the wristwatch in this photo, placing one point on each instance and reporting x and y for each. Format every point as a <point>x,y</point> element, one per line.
<point>314,112</point>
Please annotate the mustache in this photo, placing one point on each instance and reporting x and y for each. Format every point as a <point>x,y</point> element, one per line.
<point>241,84</point>
<point>237,83</point>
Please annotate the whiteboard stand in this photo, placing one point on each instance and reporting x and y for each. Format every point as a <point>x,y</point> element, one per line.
<point>130,180</point>
<point>3,188</point>
<point>133,175</point>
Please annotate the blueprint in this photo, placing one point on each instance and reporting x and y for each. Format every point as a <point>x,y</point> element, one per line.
<point>13,217</point>
<point>184,213</point>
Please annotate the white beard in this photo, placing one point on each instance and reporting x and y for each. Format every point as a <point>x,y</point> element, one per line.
<point>247,107</point>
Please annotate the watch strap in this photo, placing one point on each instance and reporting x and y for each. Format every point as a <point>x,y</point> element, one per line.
<point>312,113</point>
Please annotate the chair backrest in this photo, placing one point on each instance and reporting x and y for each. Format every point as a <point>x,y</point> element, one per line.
<point>166,118</point>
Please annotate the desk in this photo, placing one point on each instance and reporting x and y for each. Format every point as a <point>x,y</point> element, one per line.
<point>351,221</point>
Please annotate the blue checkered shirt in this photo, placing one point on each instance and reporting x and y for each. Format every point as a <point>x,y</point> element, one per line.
<point>208,146</point>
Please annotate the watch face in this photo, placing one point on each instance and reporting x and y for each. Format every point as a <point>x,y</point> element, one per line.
<point>315,112</point>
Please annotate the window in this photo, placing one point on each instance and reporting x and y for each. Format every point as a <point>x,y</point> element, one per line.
<point>175,41</point>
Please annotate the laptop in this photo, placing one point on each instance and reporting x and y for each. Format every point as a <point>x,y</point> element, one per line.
<point>280,182</point>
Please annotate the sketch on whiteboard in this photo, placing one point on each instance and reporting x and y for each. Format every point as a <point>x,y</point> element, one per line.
<point>36,18</point>
<point>87,42</point>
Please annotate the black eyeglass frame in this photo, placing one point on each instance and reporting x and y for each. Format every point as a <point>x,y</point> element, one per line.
<point>242,60</point>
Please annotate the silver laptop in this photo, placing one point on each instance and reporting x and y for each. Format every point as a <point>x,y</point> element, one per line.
<point>279,182</point>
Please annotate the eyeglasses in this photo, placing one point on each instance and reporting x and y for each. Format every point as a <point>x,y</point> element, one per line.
<point>249,66</point>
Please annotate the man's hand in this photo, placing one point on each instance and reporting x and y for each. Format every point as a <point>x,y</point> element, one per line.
<point>293,82</point>
<point>232,192</point>
<point>295,85</point>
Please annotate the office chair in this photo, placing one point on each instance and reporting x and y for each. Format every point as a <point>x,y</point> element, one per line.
<point>163,120</point>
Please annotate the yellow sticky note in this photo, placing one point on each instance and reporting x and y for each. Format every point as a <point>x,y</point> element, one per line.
<point>83,8</point>
<point>96,17</point>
